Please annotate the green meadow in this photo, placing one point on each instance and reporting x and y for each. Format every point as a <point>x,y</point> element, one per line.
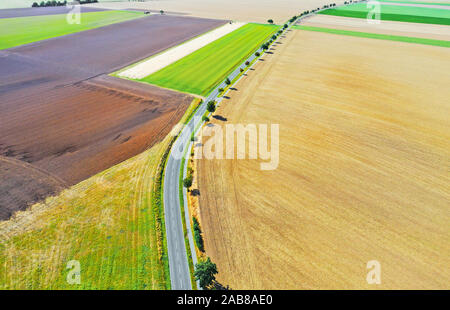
<point>441,43</point>
<point>199,72</point>
<point>24,30</point>
<point>395,13</point>
<point>415,2</point>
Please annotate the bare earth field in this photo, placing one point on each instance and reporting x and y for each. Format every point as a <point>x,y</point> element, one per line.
<point>249,11</point>
<point>429,31</point>
<point>60,114</point>
<point>363,172</point>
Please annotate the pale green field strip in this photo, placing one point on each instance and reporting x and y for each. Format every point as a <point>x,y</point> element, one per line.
<point>395,13</point>
<point>200,71</point>
<point>413,2</point>
<point>24,30</point>
<point>433,42</point>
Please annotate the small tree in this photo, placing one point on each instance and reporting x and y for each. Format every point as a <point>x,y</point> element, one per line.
<point>227,81</point>
<point>162,12</point>
<point>257,54</point>
<point>35,5</point>
<point>187,182</point>
<point>241,70</point>
<point>221,90</point>
<point>270,21</point>
<point>205,118</point>
<point>205,272</point>
<point>247,63</point>
<point>211,107</point>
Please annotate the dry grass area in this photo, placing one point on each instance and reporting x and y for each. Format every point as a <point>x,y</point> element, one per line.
<point>250,10</point>
<point>363,173</point>
<point>109,223</point>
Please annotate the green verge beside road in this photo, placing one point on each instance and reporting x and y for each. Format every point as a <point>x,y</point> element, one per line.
<point>24,30</point>
<point>414,2</point>
<point>441,43</point>
<point>409,14</point>
<point>199,72</point>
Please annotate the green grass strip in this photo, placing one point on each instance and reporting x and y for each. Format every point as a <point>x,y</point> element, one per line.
<point>413,2</point>
<point>433,42</point>
<point>24,30</point>
<point>395,13</point>
<point>395,9</point>
<point>392,17</point>
<point>199,72</point>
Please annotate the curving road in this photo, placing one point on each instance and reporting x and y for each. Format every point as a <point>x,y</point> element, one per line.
<point>178,263</point>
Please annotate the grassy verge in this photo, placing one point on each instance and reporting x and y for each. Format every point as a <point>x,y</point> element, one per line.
<point>183,217</point>
<point>24,30</point>
<point>433,42</point>
<point>201,71</point>
<point>414,2</point>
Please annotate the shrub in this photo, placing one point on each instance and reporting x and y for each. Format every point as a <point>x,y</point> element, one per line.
<point>247,63</point>
<point>198,235</point>
<point>211,107</point>
<point>205,118</point>
<point>241,70</point>
<point>187,182</point>
<point>227,81</point>
<point>221,90</point>
<point>257,54</point>
<point>270,21</point>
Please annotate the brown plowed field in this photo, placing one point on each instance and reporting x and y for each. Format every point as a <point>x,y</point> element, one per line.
<point>363,172</point>
<point>62,115</point>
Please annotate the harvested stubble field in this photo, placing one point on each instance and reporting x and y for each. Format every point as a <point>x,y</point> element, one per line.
<point>199,72</point>
<point>60,114</point>
<point>363,172</point>
<point>245,11</point>
<point>108,223</point>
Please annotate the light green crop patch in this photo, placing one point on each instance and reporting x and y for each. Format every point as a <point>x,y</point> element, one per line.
<point>199,72</point>
<point>24,30</point>
<point>388,37</point>
<point>411,14</point>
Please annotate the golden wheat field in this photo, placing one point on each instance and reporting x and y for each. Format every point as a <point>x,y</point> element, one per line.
<point>364,169</point>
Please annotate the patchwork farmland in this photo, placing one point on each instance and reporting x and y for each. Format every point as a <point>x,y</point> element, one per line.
<point>94,117</point>
<point>82,124</point>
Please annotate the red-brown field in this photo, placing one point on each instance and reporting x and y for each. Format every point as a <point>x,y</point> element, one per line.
<point>66,120</point>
